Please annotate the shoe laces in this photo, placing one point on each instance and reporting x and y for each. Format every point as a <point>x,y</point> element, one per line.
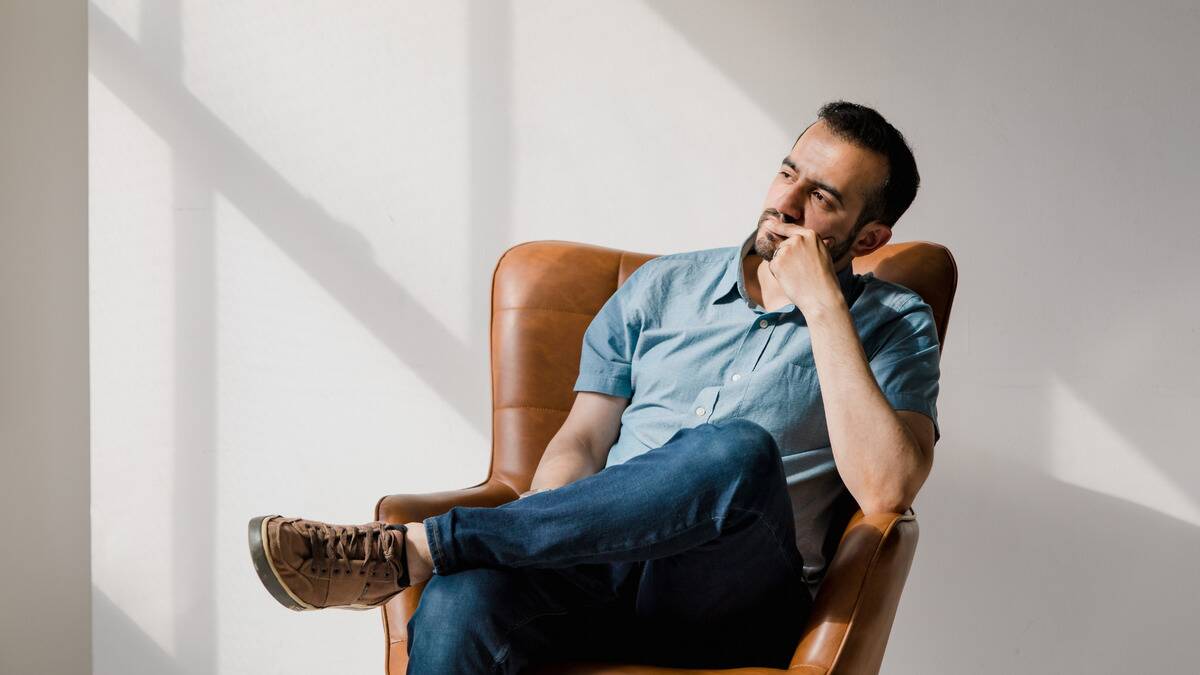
<point>374,544</point>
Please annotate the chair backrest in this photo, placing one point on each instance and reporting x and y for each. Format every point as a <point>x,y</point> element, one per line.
<point>544,296</point>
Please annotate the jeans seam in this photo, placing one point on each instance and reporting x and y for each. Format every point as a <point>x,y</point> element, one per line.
<point>435,547</point>
<point>502,656</point>
<point>774,537</point>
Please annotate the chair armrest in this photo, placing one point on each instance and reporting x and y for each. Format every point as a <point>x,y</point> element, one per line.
<point>415,508</point>
<point>852,615</point>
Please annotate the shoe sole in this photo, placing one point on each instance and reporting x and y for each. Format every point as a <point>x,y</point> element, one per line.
<point>264,565</point>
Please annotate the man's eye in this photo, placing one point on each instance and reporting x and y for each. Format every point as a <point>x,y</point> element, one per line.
<point>819,196</point>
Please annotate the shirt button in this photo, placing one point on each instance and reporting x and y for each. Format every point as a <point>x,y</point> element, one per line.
<point>700,411</point>
<point>762,323</point>
<point>736,377</point>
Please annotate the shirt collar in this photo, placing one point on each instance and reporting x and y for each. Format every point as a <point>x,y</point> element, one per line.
<point>733,279</point>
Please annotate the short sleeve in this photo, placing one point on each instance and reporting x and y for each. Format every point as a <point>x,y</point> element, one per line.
<point>906,365</point>
<point>606,360</point>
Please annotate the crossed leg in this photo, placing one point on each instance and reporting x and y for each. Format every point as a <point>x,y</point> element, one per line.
<point>684,555</point>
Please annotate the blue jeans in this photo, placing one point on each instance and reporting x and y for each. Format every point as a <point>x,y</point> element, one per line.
<point>682,556</point>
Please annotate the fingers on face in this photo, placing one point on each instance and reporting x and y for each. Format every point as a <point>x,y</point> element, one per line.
<point>811,236</point>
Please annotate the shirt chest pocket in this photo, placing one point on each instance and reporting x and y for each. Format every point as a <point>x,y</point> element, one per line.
<point>789,391</point>
<point>803,362</point>
<point>797,380</point>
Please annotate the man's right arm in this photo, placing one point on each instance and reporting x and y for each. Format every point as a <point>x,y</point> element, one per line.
<point>580,448</point>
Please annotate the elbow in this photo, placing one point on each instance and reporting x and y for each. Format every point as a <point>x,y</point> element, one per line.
<point>893,490</point>
<point>892,500</point>
<point>895,494</point>
<point>873,507</point>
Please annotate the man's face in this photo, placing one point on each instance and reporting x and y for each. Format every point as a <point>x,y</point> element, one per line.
<point>823,185</point>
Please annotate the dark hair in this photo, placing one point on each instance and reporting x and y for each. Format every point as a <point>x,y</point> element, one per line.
<point>867,129</point>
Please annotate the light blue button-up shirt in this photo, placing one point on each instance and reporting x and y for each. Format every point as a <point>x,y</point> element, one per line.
<point>683,341</point>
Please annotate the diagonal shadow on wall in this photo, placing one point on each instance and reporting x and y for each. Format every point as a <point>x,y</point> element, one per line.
<point>210,159</point>
<point>332,252</point>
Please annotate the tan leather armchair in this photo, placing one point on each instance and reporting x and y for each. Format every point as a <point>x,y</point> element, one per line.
<point>544,295</point>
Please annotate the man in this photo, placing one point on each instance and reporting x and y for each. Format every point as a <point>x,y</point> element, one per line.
<point>740,401</point>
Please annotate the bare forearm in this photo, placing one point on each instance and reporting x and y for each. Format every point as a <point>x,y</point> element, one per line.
<point>581,445</point>
<point>566,460</point>
<point>876,455</point>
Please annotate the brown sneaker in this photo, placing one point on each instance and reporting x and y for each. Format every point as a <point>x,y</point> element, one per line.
<point>310,565</point>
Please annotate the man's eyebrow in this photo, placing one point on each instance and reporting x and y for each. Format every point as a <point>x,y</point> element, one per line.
<point>787,161</point>
<point>831,190</point>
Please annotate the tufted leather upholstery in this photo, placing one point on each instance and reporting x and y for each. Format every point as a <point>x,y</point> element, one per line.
<point>544,295</point>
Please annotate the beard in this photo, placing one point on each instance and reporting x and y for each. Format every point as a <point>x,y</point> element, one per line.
<point>767,243</point>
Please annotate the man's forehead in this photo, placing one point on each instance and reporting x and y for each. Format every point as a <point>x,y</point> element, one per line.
<point>824,156</point>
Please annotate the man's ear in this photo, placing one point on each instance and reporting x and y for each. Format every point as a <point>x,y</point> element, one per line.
<point>872,236</point>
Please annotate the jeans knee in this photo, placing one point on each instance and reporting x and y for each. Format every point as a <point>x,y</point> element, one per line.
<point>451,624</point>
<point>437,600</point>
<point>741,447</point>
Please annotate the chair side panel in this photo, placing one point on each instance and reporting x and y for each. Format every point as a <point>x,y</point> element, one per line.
<point>535,357</point>
<point>544,296</point>
<point>925,268</point>
<point>525,433</point>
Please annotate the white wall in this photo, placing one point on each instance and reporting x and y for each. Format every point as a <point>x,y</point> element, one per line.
<point>296,210</point>
<point>45,598</point>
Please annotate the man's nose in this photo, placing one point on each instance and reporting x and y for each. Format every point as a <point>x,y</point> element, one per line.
<point>790,205</point>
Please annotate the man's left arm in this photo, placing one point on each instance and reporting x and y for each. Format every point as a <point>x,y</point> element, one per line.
<point>882,454</point>
<point>883,449</point>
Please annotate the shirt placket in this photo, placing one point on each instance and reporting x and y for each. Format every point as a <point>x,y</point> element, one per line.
<point>741,370</point>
